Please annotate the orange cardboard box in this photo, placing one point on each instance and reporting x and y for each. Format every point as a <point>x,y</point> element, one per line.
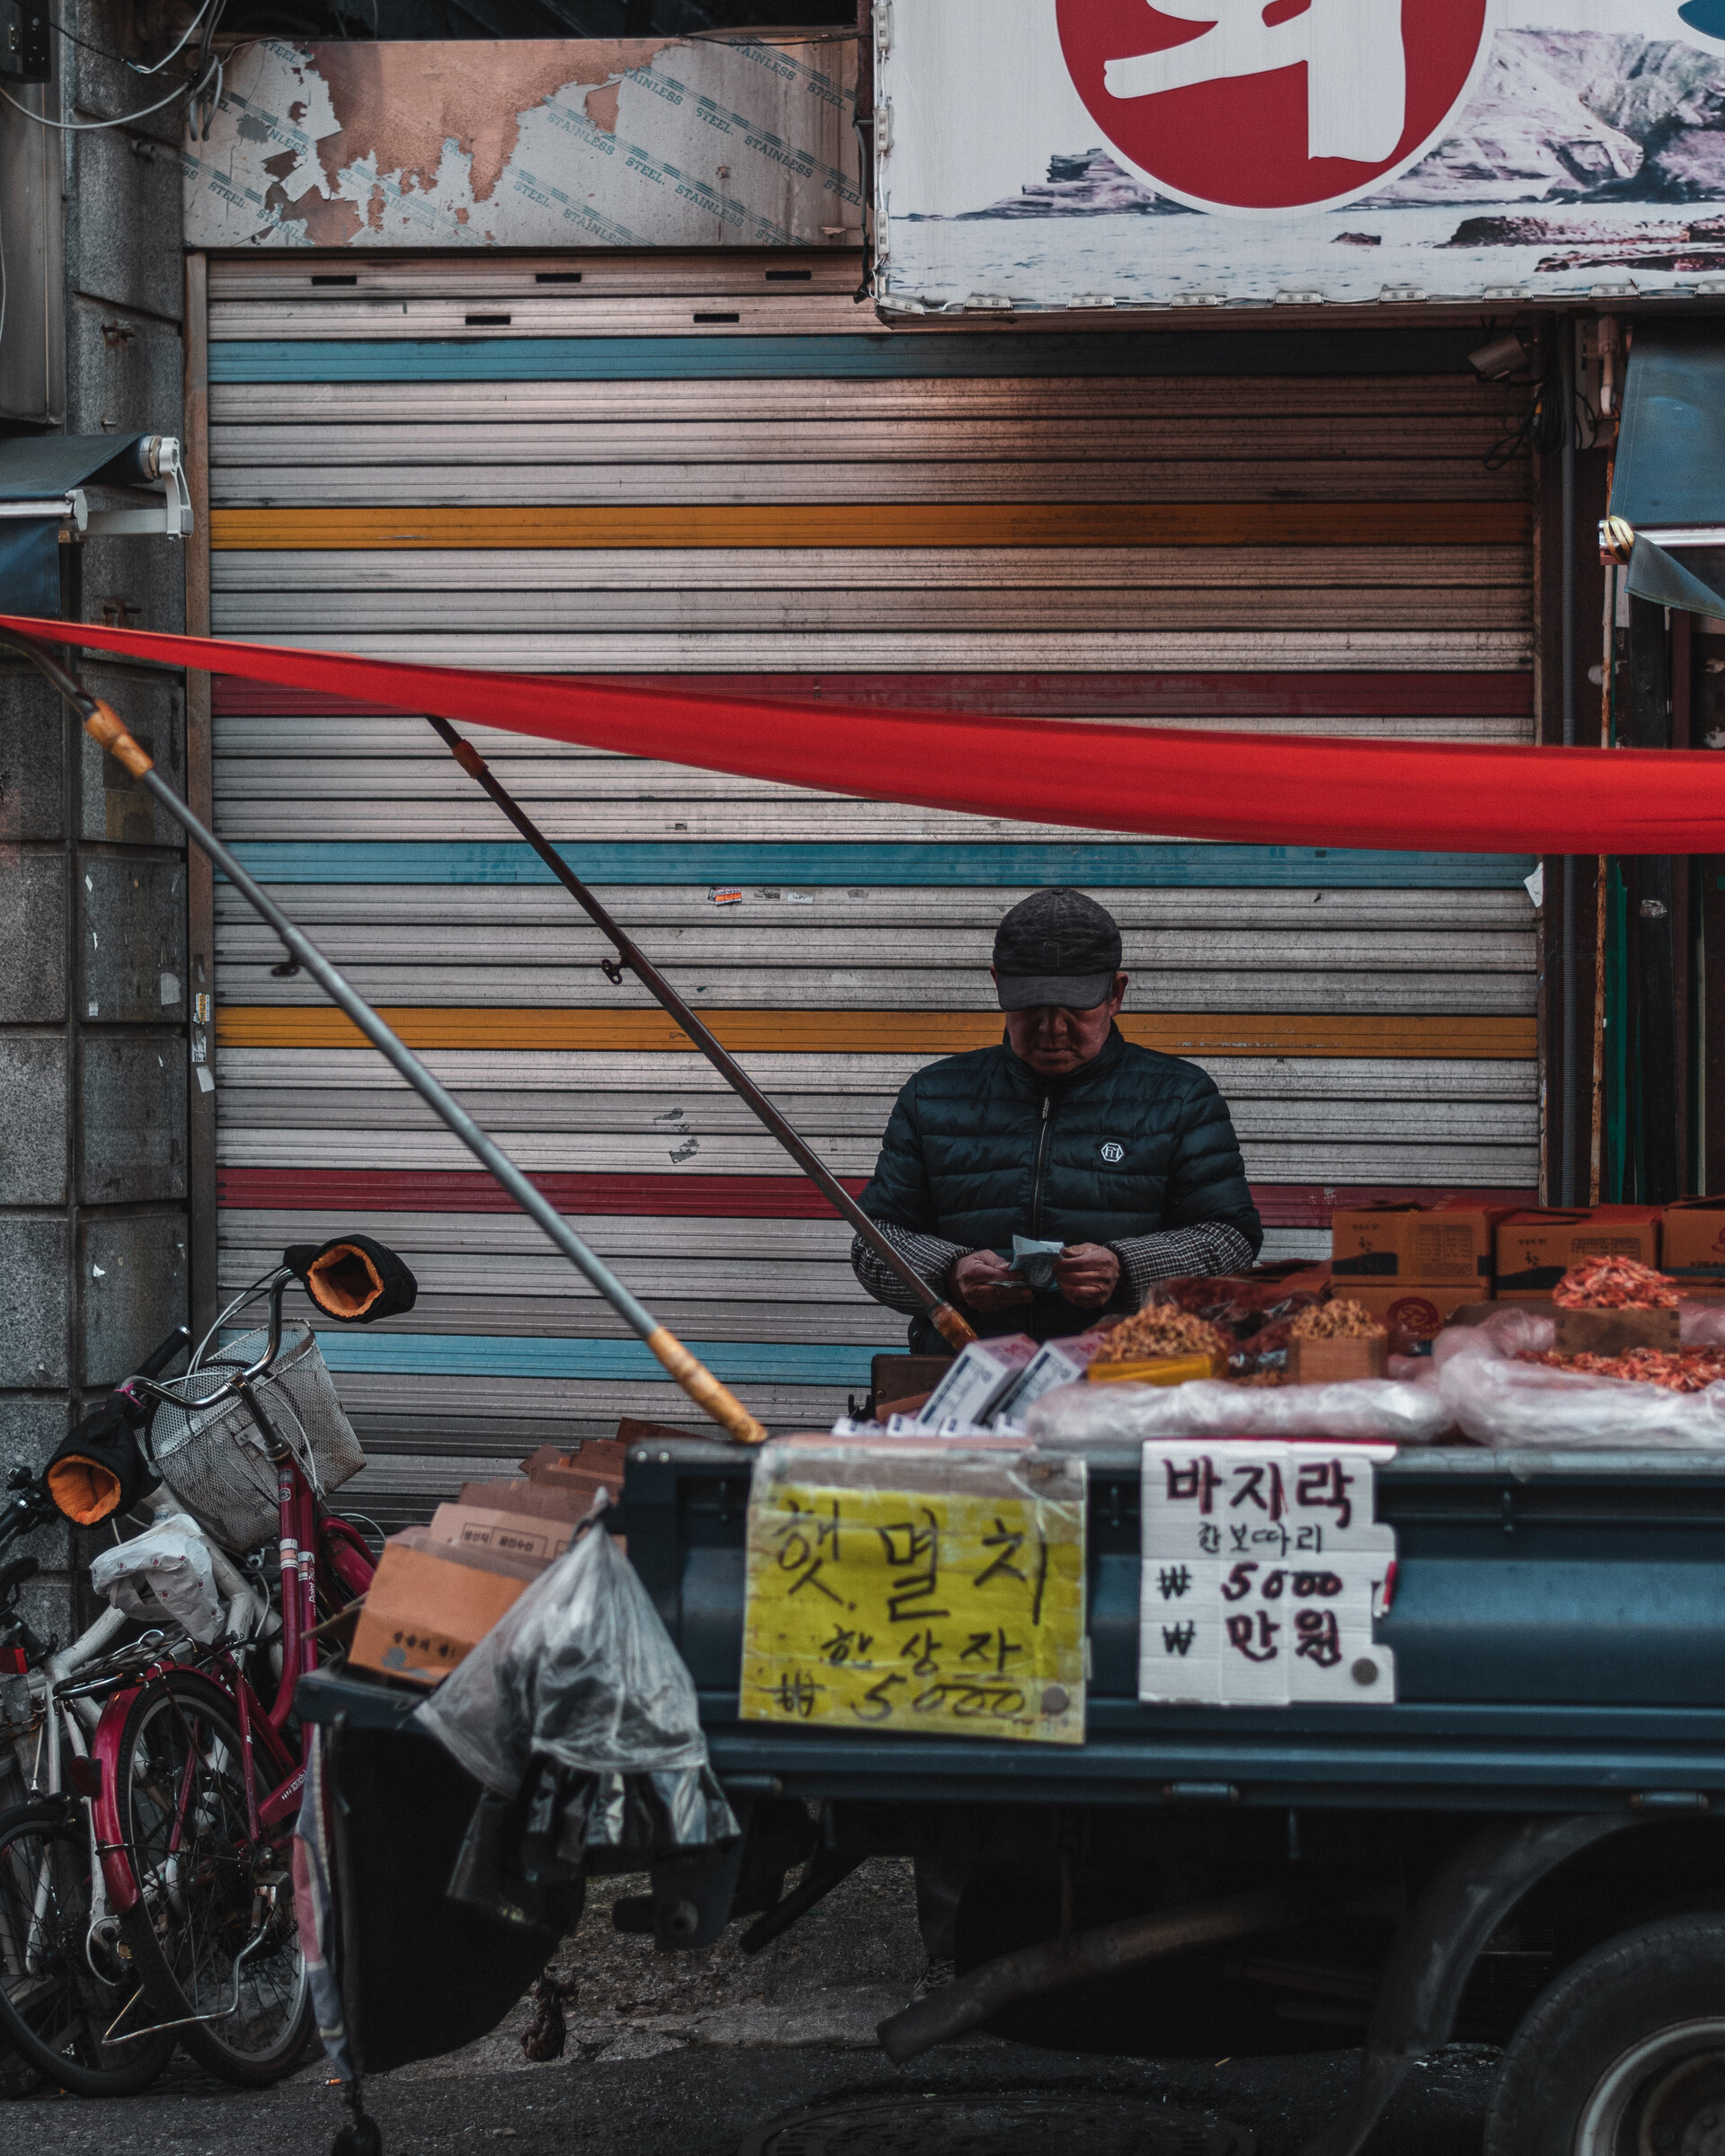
<point>1693,1239</point>
<point>1416,1310</point>
<point>430,1604</point>
<point>532,1500</point>
<point>1452,1244</point>
<point>1536,1248</point>
<point>523,1536</point>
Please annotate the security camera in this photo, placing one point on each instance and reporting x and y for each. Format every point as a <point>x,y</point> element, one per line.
<point>1503,355</point>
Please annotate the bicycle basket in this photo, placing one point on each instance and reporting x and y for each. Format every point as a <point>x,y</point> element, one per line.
<point>213,1458</point>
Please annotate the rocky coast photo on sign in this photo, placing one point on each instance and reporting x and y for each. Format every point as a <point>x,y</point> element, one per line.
<point>1063,152</point>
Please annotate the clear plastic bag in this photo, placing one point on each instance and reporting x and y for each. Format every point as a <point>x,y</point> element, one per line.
<point>166,1574</point>
<point>577,1711</point>
<point>1499,1402</point>
<point>1380,1409</point>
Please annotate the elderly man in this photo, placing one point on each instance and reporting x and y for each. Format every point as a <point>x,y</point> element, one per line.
<point>1064,1133</point>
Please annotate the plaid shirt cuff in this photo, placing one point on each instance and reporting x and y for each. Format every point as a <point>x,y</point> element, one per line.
<point>1210,1247</point>
<point>932,1255</point>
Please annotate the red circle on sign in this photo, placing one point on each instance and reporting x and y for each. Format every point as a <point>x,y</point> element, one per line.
<point>1244,140</point>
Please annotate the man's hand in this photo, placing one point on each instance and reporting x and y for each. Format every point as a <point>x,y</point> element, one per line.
<point>986,1281</point>
<point>1087,1272</point>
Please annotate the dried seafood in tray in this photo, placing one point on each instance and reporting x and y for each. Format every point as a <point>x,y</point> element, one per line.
<point>1159,1330</point>
<point>1615,1284</point>
<point>1343,1320</point>
<point>1677,1370</point>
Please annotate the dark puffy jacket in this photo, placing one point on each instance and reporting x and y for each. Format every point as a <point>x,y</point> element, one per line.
<point>980,1148</point>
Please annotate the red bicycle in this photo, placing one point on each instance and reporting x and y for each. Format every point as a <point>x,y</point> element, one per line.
<point>195,1769</point>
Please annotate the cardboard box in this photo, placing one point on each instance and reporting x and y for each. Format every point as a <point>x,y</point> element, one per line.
<point>895,1380</point>
<point>430,1604</point>
<point>528,1538</point>
<point>1692,1240</point>
<point>534,1500</point>
<point>1414,1311</point>
<point>1450,1244</point>
<point>1614,1332</point>
<point>556,1486</point>
<point>1336,1362</point>
<point>1055,1363</point>
<point>599,1456</point>
<point>977,1383</point>
<point>1537,1247</point>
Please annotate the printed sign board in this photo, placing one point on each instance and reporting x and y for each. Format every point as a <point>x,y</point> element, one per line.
<point>937,1593</point>
<point>1071,153</point>
<point>1263,1568</point>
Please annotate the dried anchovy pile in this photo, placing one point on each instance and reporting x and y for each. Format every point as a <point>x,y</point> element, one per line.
<point>1343,1320</point>
<point>1615,1284</point>
<point>1158,1330</point>
<point>1677,1370</point>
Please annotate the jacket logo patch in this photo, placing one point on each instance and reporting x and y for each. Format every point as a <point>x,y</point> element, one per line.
<point>1112,1151</point>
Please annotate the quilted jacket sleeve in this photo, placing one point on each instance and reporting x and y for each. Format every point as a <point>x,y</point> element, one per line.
<point>898,1190</point>
<point>1207,1180</point>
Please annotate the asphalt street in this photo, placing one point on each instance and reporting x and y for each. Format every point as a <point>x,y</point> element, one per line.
<point>706,2102</point>
<point>693,2055</point>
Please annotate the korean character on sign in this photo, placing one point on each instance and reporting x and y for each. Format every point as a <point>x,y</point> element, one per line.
<point>806,1543</point>
<point>1193,1481</point>
<point>1254,1634</point>
<point>1258,1482</point>
<point>1317,1635</point>
<point>916,1545</point>
<point>1323,1485</point>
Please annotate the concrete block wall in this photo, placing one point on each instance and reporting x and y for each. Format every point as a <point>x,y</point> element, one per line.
<point>94,999</point>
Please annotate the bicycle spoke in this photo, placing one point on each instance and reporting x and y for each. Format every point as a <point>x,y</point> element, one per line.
<point>220,1913</point>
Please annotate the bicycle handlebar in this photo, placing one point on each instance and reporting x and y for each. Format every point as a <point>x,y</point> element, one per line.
<point>157,1360</point>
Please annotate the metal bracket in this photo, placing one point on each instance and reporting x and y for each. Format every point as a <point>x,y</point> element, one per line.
<point>691,1901</point>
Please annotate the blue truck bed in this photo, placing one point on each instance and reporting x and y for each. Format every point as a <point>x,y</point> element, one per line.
<point>1558,1626</point>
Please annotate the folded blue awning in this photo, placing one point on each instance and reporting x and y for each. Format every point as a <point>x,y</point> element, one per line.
<point>38,475</point>
<point>1669,482</point>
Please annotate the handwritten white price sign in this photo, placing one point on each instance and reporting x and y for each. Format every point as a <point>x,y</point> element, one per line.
<point>1263,1567</point>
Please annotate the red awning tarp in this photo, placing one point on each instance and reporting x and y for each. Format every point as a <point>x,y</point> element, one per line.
<point>1249,789</point>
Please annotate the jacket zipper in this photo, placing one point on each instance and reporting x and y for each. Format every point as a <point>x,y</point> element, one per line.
<point>1036,1173</point>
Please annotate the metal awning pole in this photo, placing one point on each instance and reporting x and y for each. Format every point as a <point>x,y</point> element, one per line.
<point>1571,1016</point>
<point>103,725</point>
<point>940,1314</point>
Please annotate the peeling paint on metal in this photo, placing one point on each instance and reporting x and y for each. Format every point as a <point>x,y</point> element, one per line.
<point>626,142</point>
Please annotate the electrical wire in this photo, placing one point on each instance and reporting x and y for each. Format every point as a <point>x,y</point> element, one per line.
<point>89,126</point>
<point>184,40</point>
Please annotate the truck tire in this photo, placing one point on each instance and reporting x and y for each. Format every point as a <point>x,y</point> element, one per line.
<point>1624,2052</point>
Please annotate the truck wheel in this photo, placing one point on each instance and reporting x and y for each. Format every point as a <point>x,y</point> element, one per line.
<point>1625,2053</point>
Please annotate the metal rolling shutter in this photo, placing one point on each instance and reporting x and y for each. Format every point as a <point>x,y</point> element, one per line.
<point>714,466</point>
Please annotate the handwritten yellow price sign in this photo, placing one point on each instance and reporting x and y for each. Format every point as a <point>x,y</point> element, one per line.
<point>937,1590</point>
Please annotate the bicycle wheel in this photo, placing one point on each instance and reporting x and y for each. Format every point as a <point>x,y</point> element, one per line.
<point>213,1935</point>
<point>71,2006</point>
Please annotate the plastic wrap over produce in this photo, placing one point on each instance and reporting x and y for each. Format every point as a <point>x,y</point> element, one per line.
<point>578,1689</point>
<point>1373,1409</point>
<point>1499,1401</point>
<point>933,1589</point>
